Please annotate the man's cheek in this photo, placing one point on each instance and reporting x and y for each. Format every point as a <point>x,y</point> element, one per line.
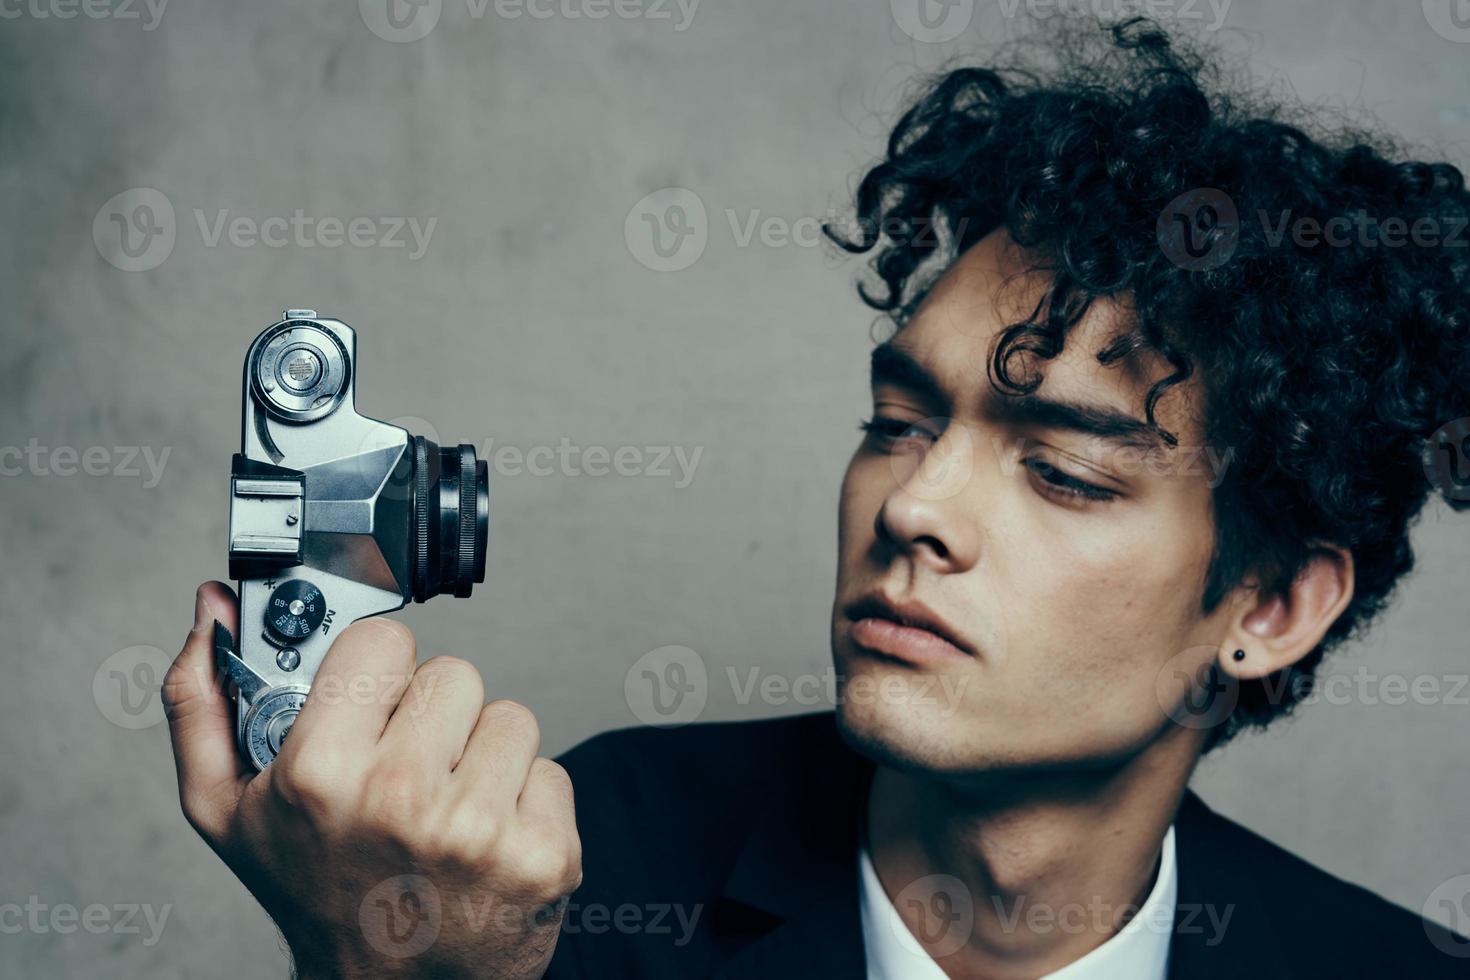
<point>1113,693</point>
<point>1070,675</point>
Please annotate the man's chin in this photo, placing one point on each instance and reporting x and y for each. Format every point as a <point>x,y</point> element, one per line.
<point>909,737</point>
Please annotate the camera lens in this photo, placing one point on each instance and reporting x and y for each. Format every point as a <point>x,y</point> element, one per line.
<point>451,519</point>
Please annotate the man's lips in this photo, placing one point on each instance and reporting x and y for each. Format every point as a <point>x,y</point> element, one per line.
<point>907,629</point>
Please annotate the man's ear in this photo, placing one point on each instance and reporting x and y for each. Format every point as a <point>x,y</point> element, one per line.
<point>1277,630</point>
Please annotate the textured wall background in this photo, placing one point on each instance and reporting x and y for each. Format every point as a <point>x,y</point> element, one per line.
<point>531,316</point>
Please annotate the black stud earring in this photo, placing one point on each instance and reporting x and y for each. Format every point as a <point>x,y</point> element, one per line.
<point>1239,654</point>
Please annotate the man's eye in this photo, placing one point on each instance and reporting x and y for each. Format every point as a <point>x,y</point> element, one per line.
<point>888,432</point>
<point>1066,485</point>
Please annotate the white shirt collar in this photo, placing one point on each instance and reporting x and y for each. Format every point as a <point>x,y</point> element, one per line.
<point>1140,950</point>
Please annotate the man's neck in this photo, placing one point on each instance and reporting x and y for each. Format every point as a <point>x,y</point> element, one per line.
<point>1054,864</point>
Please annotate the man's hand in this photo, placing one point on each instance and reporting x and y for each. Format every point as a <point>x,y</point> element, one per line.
<point>406,827</point>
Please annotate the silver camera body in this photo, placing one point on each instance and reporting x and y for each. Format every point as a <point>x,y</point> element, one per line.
<point>334,516</point>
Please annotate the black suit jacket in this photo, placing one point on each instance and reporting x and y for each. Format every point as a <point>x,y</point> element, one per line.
<point>730,850</point>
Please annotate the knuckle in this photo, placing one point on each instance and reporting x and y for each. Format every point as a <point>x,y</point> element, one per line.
<point>304,782</point>
<point>572,874</point>
<point>550,769</point>
<point>439,844</point>
<point>507,714</point>
<point>451,670</point>
<point>470,838</point>
<point>181,686</point>
<point>571,869</point>
<point>395,796</point>
<point>544,867</point>
<point>553,775</point>
<point>316,763</point>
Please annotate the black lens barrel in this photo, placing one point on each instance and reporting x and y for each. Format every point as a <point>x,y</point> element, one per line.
<point>451,519</point>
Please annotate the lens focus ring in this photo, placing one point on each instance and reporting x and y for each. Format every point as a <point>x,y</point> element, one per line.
<point>465,579</point>
<point>423,451</point>
<point>450,516</point>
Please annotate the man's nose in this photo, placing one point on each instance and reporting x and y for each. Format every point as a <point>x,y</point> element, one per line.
<point>932,512</point>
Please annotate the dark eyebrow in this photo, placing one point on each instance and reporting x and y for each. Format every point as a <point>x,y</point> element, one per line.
<point>1119,428</point>
<point>891,364</point>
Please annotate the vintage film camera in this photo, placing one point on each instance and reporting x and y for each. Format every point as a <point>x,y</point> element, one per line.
<point>333,516</point>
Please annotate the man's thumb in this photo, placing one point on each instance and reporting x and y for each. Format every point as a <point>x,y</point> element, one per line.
<point>201,721</point>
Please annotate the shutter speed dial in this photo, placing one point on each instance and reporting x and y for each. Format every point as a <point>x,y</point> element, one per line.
<point>295,610</point>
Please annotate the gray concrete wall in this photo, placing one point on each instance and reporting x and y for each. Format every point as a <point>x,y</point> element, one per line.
<point>530,317</point>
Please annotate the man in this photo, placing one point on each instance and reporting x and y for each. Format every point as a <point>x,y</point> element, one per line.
<point>1135,464</point>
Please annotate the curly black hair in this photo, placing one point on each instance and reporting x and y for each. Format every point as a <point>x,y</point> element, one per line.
<point>1333,370</point>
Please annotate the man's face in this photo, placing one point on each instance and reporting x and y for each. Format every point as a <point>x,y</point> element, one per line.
<point>1065,569</point>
